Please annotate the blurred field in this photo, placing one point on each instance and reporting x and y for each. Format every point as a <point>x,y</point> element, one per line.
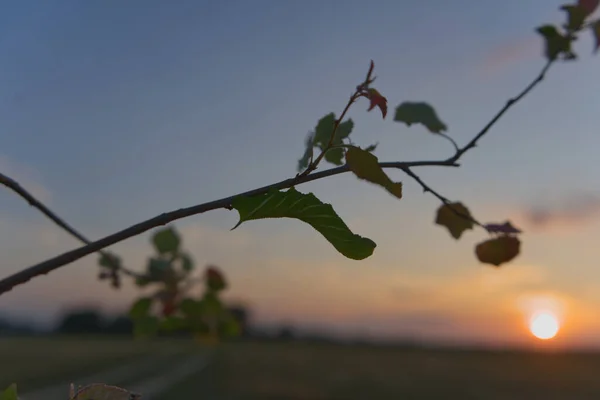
<point>314,371</point>
<point>295,371</point>
<point>37,362</point>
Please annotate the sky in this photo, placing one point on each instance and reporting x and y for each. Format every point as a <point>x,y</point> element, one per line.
<point>114,112</point>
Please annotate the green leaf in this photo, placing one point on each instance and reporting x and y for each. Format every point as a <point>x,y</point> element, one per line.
<point>555,43</point>
<point>309,209</point>
<point>371,148</point>
<point>419,113</point>
<point>173,323</point>
<point>323,133</point>
<point>499,250</point>
<point>157,269</point>
<point>229,327</point>
<point>456,217</point>
<point>191,307</point>
<point>10,393</point>
<point>595,27</point>
<point>308,153</point>
<point>142,281</point>
<point>111,261</point>
<point>575,17</point>
<point>166,241</point>
<point>145,326</point>
<point>141,308</point>
<point>366,166</point>
<point>187,263</point>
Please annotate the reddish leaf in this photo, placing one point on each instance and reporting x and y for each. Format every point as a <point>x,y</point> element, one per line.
<point>498,251</point>
<point>377,100</point>
<point>589,6</point>
<point>214,279</point>
<point>502,228</point>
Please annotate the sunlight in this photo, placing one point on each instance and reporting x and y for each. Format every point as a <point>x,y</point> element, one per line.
<point>544,325</point>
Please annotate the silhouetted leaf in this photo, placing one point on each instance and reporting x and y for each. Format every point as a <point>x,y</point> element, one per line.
<point>10,393</point>
<point>214,279</point>
<point>366,166</point>
<point>371,148</point>
<point>323,133</point>
<point>419,113</point>
<point>377,100</point>
<point>498,250</point>
<point>110,261</point>
<point>166,241</point>
<point>187,264</point>
<point>308,153</point>
<point>575,17</point>
<point>158,269</point>
<point>191,307</point>
<point>454,220</point>
<point>589,6</point>
<point>309,209</point>
<point>595,27</point>
<point>141,308</point>
<point>506,227</point>
<point>555,43</point>
<point>228,327</point>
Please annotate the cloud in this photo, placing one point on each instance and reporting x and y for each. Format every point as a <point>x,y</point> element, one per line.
<point>26,176</point>
<point>571,212</point>
<point>510,53</point>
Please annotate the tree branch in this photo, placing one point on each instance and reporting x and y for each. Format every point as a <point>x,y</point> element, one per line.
<point>511,102</point>
<point>17,188</point>
<point>51,264</point>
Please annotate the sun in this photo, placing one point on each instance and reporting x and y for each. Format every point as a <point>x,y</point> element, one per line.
<point>544,325</point>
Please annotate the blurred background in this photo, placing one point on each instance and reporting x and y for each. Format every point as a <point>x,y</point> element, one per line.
<point>114,112</point>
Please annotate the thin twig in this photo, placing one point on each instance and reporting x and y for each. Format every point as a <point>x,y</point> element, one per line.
<point>507,106</point>
<point>51,264</point>
<point>444,200</point>
<point>17,188</point>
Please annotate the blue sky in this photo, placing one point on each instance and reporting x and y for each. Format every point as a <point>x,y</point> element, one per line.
<point>118,111</point>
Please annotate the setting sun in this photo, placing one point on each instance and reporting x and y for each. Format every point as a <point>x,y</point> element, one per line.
<point>544,325</point>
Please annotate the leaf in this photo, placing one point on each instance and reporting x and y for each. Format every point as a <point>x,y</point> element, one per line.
<point>110,261</point>
<point>141,308</point>
<point>10,393</point>
<point>377,100</point>
<point>323,133</point>
<point>191,307</point>
<point>214,279</point>
<point>187,264</point>
<point>419,113</point>
<point>158,269</point>
<point>229,327</point>
<point>366,166</point>
<point>145,326</point>
<point>575,17</point>
<point>308,153</point>
<point>309,209</point>
<point>595,27</point>
<point>499,250</point>
<point>555,43</point>
<point>166,241</point>
<point>371,148</point>
<point>589,6</point>
<point>456,224</point>
<point>173,323</point>
<point>506,227</point>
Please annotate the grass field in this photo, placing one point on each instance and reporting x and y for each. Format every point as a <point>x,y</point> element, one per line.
<point>295,371</point>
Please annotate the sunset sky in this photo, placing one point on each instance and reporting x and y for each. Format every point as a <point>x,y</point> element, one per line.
<point>113,112</point>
